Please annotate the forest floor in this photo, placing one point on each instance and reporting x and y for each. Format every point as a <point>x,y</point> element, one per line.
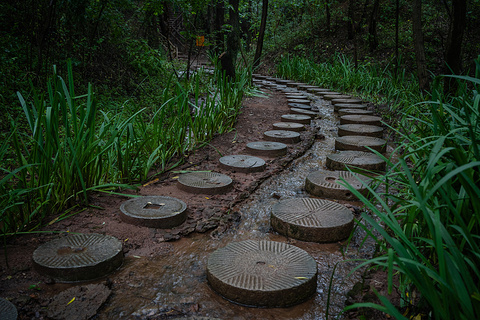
<point>34,294</point>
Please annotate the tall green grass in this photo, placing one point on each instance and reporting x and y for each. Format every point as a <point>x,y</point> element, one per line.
<point>70,147</point>
<point>429,219</point>
<point>368,81</point>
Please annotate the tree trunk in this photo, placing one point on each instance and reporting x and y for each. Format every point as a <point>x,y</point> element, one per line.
<point>372,26</point>
<point>229,58</point>
<point>328,14</point>
<point>351,19</point>
<point>219,21</point>
<point>422,75</point>
<point>453,53</point>
<point>263,23</point>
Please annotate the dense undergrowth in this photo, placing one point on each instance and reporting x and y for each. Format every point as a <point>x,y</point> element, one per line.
<point>427,219</point>
<point>71,146</point>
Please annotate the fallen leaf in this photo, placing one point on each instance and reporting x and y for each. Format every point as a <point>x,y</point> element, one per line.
<point>73,299</point>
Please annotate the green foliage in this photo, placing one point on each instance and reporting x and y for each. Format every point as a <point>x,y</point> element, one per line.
<point>428,216</point>
<point>70,147</point>
<point>368,81</point>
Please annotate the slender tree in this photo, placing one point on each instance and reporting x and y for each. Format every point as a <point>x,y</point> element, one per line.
<point>263,23</point>
<point>228,59</point>
<point>419,45</point>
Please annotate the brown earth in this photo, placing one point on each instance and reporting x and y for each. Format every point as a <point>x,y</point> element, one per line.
<point>32,292</point>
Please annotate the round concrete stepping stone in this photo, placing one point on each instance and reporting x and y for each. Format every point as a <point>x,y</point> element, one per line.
<point>295,96</point>
<point>7,310</point>
<point>314,220</point>
<point>358,159</point>
<point>360,130</point>
<point>346,101</point>
<point>262,273</point>
<point>267,148</point>
<point>361,119</point>
<point>299,106</point>
<point>79,257</point>
<point>204,182</point>
<point>242,163</point>
<point>339,106</point>
<point>154,212</point>
<point>344,112</point>
<point>305,87</point>
<point>317,90</point>
<point>282,81</point>
<point>313,114</point>
<point>289,126</point>
<point>298,118</point>
<point>284,136</point>
<point>360,143</point>
<point>293,84</point>
<point>300,101</point>
<point>331,96</point>
<point>327,184</point>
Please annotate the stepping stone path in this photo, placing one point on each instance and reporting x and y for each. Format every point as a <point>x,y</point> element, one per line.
<point>360,143</point>
<point>7,310</point>
<point>79,257</point>
<point>344,112</point>
<point>360,130</point>
<point>252,273</point>
<point>262,273</point>
<point>242,163</point>
<point>154,212</point>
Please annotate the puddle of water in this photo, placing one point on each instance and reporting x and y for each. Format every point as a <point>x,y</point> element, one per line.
<point>175,286</point>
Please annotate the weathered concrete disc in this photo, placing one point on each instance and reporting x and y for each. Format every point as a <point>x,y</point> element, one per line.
<point>360,130</point>
<point>300,101</point>
<point>154,212</point>
<point>262,273</point>
<point>313,114</point>
<point>361,119</point>
<point>299,106</point>
<point>289,126</point>
<point>295,96</point>
<point>298,118</point>
<point>204,182</point>
<point>339,106</point>
<point>344,112</point>
<point>327,184</point>
<point>242,163</point>
<point>346,101</point>
<point>331,96</point>
<point>324,93</point>
<point>305,87</point>
<point>293,84</point>
<point>282,81</point>
<point>260,76</point>
<point>355,159</point>
<point>7,310</point>
<point>282,136</point>
<point>79,257</point>
<point>360,143</point>
<point>267,148</point>
<point>313,220</point>
<point>317,90</point>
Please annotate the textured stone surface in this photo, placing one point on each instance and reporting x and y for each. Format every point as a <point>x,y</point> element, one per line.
<point>267,148</point>
<point>355,159</point>
<point>298,118</point>
<point>79,257</point>
<point>289,126</point>
<point>360,143</point>
<point>314,220</point>
<point>346,101</point>
<point>311,113</point>
<point>300,101</point>
<point>360,130</point>
<point>242,163</point>
<point>331,96</point>
<point>339,106</point>
<point>262,273</point>
<point>154,212</point>
<point>7,310</point>
<point>204,182</point>
<point>329,184</point>
<point>282,136</point>
<point>361,119</point>
<point>344,112</point>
